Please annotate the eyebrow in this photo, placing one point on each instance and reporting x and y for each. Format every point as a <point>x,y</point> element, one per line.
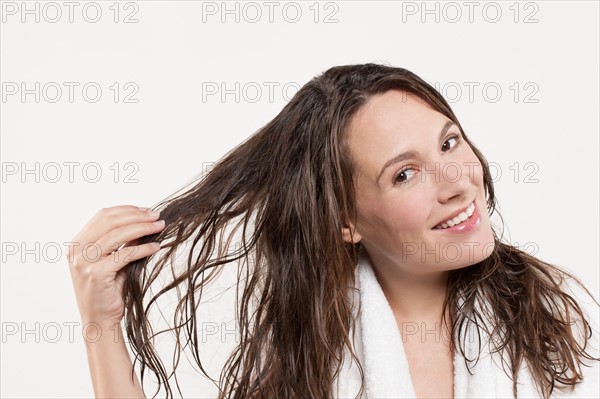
<point>411,154</point>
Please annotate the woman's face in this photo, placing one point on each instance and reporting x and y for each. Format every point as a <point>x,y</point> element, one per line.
<point>400,203</point>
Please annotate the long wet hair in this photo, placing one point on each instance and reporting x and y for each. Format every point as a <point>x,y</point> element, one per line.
<point>290,187</point>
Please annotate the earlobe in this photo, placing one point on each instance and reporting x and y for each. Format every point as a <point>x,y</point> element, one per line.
<point>350,235</point>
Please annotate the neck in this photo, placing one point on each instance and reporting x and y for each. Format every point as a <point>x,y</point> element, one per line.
<point>412,297</point>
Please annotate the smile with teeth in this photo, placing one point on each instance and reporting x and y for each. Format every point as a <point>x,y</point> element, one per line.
<point>461,217</point>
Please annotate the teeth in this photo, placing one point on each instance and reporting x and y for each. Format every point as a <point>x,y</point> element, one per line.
<point>458,219</point>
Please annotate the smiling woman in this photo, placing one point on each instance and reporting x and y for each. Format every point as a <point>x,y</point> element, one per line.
<point>410,201</point>
<point>369,210</point>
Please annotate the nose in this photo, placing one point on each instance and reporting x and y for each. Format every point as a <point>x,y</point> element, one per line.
<point>454,182</point>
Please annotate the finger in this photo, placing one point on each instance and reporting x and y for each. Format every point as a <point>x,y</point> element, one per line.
<point>131,243</point>
<point>119,259</point>
<point>116,238</point>
<point>106,220</point>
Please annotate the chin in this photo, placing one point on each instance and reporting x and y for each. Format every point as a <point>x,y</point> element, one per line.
<point>458,249</point>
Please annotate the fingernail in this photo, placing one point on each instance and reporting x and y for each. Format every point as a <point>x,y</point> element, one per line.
<point>159,223</point>
<point>153,213</point>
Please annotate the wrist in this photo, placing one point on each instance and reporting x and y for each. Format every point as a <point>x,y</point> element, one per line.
<point>99,333</point>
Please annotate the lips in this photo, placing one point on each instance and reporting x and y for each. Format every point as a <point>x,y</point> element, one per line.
<point>457,217</point>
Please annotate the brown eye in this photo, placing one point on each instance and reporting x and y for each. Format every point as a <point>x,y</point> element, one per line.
<point>455,138</point>
<point>403,177</point>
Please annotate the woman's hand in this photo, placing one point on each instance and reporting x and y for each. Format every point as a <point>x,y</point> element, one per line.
<point>98,255</point>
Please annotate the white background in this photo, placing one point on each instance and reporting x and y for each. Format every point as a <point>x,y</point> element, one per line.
<point>176,49</point>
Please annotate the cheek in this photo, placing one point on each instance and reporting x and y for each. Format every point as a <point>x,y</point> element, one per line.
<point>473,167</point>
<point>478,175</point>
<point>393,216</point>
<point>406,215</point>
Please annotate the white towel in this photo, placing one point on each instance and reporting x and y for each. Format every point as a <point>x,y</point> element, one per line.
<point>379,347</point>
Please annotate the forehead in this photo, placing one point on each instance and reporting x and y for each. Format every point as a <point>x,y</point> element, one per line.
<point>390,119</point>
<point>394,110</point>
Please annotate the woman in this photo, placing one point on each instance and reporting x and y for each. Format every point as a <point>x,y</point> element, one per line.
<point>363,199</point>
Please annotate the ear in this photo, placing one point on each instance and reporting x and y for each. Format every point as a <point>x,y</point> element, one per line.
<point>350,235</point>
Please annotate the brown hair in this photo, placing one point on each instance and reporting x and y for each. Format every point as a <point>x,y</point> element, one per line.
<point>292,185</point>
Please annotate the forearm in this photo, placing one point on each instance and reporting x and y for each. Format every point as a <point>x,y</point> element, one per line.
<point>110,365</point>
